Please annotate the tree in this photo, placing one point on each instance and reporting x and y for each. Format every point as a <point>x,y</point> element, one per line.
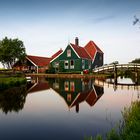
<point>137,60</point>
<point>11,50</point>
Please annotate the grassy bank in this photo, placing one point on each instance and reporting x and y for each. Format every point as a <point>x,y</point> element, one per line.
<point>8,82</point>
<point>129,128</point>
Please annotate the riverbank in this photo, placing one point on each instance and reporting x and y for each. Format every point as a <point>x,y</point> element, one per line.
<point>89,76</point>
<point>129,127</point>
<point>8,82</point>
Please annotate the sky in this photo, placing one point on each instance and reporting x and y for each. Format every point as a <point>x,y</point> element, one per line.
<point>45,26</point>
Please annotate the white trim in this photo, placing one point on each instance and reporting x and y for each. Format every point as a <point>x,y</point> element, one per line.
<point>33,64</point>
<point>56,57</point>
<point>37,69</point>
<point>72,66</point>
<point>69,53</point>
<point>88,53</point>
<point>94,57</point>
<point>74,100</point>
<point>31,61</point>
<point>66,62</point>
<point>74,51</point>
<point>83,64</point>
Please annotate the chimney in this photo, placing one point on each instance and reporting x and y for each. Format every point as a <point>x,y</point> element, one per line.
<point>76,41</point>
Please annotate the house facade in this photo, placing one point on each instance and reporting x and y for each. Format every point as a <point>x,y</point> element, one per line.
<point>76,58</point>
<point>35,64</point>
<point>76,91</point>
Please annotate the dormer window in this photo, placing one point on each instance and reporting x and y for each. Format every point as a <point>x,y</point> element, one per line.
<point>68,53</point>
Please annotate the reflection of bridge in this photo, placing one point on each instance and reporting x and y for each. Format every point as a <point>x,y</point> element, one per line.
<point>118,86</point>
<point>112,67</point>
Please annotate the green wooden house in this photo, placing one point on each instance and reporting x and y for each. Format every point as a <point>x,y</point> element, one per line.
<point>76,91</point>
<point>76,58</point>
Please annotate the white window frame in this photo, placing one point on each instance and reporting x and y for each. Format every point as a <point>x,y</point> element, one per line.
<point>66,86</point>
<point>69,53</point>
<point>56,64</point>
<point>72,86</point>
<point>89,64</point>
<point>71,66</point>
<point>83,64</point>
<point>66,66</point>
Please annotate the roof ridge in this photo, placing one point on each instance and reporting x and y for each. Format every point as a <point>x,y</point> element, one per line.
<point>87,52</point>
<point>38,56</point>
<point>96,47</point>
<point>81,51</point>
<point>76,45</point>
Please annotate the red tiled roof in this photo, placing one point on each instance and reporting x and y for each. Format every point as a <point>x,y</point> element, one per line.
<point>91,48</point>
<point>92,98</point>
<point>39,87</point>
<point>81,51</point>
<point>57,53</point>
<point>39,61</point>
<point>80,98</point>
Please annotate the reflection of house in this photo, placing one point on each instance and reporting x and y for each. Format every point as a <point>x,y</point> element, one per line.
<point>37,84</point>
<point>75,91</point>
<point>35,64</point>
<point>76,58</point>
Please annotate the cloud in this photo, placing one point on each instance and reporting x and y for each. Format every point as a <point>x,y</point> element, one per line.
<point>102,19</point>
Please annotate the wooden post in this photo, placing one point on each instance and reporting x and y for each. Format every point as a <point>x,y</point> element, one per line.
<point>115,75</point>
<point>136,77</point>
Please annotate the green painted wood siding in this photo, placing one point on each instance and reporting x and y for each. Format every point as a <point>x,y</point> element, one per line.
<point>77,61</point>
<point>63,56</point>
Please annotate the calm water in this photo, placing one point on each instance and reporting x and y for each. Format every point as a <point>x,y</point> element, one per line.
<point>62,109</point>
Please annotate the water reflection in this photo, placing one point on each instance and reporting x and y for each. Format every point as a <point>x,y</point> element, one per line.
<point>73,91</point>
<point>76,91</point>
<point>37,84</point>
<point>13,99</point>
<point>48,102</point>
<point>122,82</point>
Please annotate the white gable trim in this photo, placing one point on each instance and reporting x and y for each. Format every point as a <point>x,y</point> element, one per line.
<point>31,61</point>
<point>74,100</point>
<point>94,57</point>
<point>74,51</point>
<point>88,53</point>
<point>56,57</point>
<point>96,48</point>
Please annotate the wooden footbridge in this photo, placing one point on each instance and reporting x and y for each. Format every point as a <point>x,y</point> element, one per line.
<point>113,67</point>
<point>118,86</point>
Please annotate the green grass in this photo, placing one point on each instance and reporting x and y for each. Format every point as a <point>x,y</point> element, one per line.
<point>131,122</point>
<point>9,82</point>
<point>129,127</point>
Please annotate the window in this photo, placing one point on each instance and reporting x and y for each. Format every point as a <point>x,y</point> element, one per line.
<point>66,86</point>
<point>72,86</point>
<point>100,58</point>
<point>69,97</point>
<point>66,64</point>
<point>33,67</point>
<point>83,64</point>
<point>56,64</point>
<point>72,64</point>
<point>68,53</point>
<point>89,64</point>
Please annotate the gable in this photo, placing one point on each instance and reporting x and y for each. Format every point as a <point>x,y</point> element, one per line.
<point>38,61</point>
<point>82,53</point>
<point>92,49</point>
<point>65,56</point>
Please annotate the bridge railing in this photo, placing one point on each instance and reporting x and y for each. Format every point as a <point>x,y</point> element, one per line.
<point>111,66</point>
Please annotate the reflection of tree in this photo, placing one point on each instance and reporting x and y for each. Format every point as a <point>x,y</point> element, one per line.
<point>13,99</point>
